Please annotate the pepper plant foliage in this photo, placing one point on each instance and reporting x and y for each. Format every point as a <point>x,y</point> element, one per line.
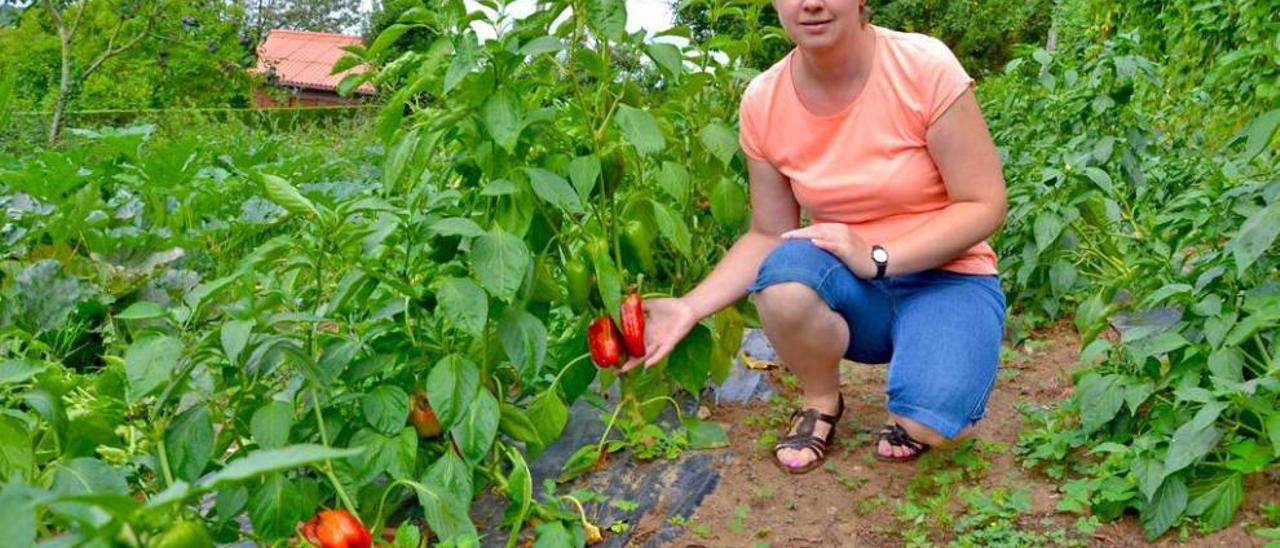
<point>197,331</point>
<point>1133,213</point>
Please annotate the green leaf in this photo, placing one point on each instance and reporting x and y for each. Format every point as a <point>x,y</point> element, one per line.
<point>729,203</point>
<point>189,443</point>
<point>500,261</point>
<point>720,141</point>
<point>143,310</point>
<point>451,386</point>
<point>552,534</point>
<point>465,55</point>
<point>1273,431</point>
<point>407,535</point>
<point>149,364</point>
<point>275,509</point>
<point>234,336</point>
<point>1062,277</point>
<point>608,17</point>
<point>17,456</point>
<point>1047,228</point>
<point>673,229</point>
<point>284,194</point>
<point>1101,398</point>
<point>640,129</point>
<point>464,304</point>
<point>608,281</point>
<point>515,422</point>
<point>503,119</point>
<point>458,226</point>
<point>674,180</point>
<point>387,37</point>
<point>1193,440</point>
<point>554,190</point>
<point>18,514</point>
<point>264,461</point>
<point>524,339</point>
<point>395,455</point>
<point>16,371</point>
<point>519,491</point>
<point>1255,236</point>
<point>452,473</point>
<point>705,435</point>
<point>669,59</point>
<point>478,428</point>
<point>351,82</point>
<point>87,475</point>
<point>690,361</point>
<point>397,160</point>
<point>1260,131</point>
<point>1101,178</point>
<point>1150,475</point>
<point>549,415</point>
<point>1157,345</point>
<point>386,407</point>
<point>1215,501</point>
<point>446,510</point>
<point>1165,508</point>
<point>541,45</point>
<point>584,171</point>
<point>1227,364</point>
<point>271,423</point>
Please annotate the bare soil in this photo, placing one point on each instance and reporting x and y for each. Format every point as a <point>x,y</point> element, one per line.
<point>852,500</point>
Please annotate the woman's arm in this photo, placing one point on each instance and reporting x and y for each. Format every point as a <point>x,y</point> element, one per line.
<point>773,211</point>
<point>966,157</point>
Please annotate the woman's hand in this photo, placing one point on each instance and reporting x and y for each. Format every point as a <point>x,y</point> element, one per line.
<point>837,239</point>
<point>666,323</point>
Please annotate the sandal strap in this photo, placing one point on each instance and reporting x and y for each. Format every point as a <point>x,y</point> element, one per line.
<point>812,443</point>
<point>895,435</point>
<point>804,437</point>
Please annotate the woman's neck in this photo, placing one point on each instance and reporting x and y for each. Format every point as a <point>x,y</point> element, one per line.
<point>847,60</point>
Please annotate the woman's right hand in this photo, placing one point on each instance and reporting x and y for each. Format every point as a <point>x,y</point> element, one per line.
<point>666,323</point>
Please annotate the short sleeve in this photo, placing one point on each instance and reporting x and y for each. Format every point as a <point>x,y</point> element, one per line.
<point>748,127</point>
<point>945,81</point>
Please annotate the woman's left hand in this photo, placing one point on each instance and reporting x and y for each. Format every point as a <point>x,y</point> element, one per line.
<point>837,239</point>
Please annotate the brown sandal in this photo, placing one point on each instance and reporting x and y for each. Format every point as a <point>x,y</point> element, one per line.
<point>805,439</point>
<point>896,436</point>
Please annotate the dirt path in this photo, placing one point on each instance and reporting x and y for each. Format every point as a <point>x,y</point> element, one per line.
<point>857,501</point>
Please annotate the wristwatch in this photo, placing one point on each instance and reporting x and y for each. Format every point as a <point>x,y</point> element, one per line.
<point>880,256</point>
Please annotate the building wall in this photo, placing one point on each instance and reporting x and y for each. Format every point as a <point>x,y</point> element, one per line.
<point>293,98</point>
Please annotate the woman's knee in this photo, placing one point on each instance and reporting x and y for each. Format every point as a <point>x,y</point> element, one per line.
<point>788,303</point>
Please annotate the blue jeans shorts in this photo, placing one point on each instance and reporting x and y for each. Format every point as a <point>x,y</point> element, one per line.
<point>939,331</point>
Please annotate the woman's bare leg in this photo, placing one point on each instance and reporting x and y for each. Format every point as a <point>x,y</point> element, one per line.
<point>810,338</point>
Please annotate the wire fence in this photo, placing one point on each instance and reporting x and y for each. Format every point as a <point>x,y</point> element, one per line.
<point>29,129</point>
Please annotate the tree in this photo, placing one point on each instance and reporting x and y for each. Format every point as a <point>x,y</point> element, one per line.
<point>134,23</point>
<point>314,15</point>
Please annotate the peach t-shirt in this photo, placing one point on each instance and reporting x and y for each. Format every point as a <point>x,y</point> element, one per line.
<point>866,166</point>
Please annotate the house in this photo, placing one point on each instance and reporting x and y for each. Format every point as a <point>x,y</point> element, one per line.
<point>295,67</point>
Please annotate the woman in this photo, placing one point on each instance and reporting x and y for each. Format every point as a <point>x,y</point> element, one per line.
<point>876,134</point>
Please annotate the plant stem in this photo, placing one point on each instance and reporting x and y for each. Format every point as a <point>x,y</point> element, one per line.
<point>328,466</point>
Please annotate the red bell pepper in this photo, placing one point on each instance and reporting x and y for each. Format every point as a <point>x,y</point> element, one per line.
<point>602,341</point>
<point>632,315</point>
<point>336,529</point>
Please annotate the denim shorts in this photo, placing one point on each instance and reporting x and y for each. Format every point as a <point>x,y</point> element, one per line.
<point>939,331</point>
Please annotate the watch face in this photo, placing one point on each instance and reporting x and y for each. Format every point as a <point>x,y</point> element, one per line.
<point>879,255</point>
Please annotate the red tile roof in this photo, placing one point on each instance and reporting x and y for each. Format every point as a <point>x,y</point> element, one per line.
<point>304,59</point>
